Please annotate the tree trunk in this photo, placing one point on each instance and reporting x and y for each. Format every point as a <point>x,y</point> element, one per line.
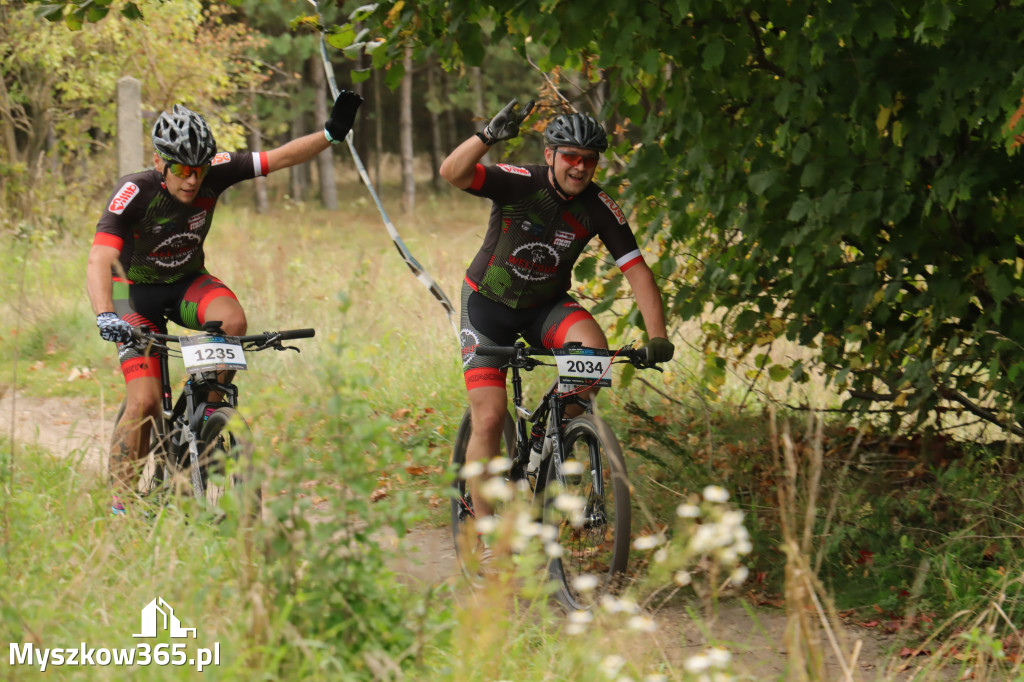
<point>478,89</point>
<point>256,146</point>
<point>325,159</point>
<point>299,173</point>
<point>437,144</point>
<point>378,134</point>
<point>405,134</point>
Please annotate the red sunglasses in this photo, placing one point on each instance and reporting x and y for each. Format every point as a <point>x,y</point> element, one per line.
<point>575,159</point>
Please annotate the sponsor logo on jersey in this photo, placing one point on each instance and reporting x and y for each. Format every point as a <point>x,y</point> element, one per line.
<point>221,157</point>
<point>613,207</point>
<point>509,168</point>
<point>564,239</point>
<point>197,221</point>
<point>534,262</point>
<point>123,198</point>
<point>176,250</point>
<point>470,342</point>
<point>533,229</point>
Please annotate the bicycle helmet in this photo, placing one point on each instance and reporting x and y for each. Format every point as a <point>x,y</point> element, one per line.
<point>183,136</point>
<point>576,130</point>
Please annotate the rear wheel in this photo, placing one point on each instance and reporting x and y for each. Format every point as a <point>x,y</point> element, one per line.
<point>226,467</point>
<point>587,501</point>
<point>462,502</point>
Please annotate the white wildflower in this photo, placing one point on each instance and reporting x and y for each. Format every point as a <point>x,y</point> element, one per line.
<point>486,524</point>
<point>581,617</point>
<point>499,465</point>
<point>661,556</point>
<point>656,677</point>
<point>569,503</point>
<point>611,665</point>
<point>683,578</point>
<point>575,629</point>
<point>497,489</point>
<point>719,657</point>
<point>642,623</point>
<point>471,470</point>
<point>739,576</point>
<point>716,493</point>
<point>585,582</point>
<point>697,663</point>
<point>688,511</point>
<point>553,550</point>
<point>648,542</point>
<point>572,467</point>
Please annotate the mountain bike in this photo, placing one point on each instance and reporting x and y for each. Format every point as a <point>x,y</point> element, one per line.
<point>578,481</point>
<point>200,446</point>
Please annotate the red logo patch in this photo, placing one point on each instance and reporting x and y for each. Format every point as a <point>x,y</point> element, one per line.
<point>123,198</point>
<point>221,157</point>
<point>607,200</point>
<point>508,168</point>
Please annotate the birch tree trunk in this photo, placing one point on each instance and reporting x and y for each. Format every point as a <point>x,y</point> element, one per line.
<point>325,159</point>
<point>405,135</point>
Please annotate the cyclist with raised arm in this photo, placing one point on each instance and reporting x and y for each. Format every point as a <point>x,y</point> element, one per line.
<point>147,256</point>
<point>541,219</point>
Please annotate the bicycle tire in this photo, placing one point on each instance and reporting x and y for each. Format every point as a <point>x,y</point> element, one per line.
<point>597,541</point>
<point>158,470</point>
<point>226,466</point>
<point>462,502</point>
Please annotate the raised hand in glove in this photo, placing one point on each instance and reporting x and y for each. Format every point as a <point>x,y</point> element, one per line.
<point>343,115</point>
<point>113,328</point>
<point>659,350</point>
<point>505,125</point>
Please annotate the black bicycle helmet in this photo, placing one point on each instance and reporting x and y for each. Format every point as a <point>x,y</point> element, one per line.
<point>576,130</point>
<point>183,136</point>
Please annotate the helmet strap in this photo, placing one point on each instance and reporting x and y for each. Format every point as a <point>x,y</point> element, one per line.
<point>554,181</point>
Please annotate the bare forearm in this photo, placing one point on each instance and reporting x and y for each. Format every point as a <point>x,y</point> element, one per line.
<point>297,151</point>
<point>458,169</point>
<point>648,299</point>
<point>98,284</point>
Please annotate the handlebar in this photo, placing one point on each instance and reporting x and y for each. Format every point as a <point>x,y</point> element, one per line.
<point>522,356</point>
<point>255,341</point>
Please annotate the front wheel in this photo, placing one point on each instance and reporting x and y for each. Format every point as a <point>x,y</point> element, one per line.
<point>226,467</point>
<point>587,501</point>
<point>462,501</point>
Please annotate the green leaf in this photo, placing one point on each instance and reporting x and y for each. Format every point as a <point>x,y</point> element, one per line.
<point>585,269</point>
<point>714,54</point>
<point>761,181</point>
<point>778,372</point>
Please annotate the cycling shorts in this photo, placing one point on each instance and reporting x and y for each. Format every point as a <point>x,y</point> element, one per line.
<point>488,323</point>
<point>183,302</point>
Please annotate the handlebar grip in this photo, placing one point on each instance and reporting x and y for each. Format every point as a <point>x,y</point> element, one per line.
<point>297,334</point>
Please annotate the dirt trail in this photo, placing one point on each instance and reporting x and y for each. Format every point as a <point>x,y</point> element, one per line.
<point>68,428</point>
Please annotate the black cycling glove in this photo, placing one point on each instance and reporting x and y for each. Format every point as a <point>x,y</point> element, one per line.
<point>343,115</point>
<point>505,124</point>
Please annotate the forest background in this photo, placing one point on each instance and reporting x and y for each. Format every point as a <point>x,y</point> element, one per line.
<point>827,192</point>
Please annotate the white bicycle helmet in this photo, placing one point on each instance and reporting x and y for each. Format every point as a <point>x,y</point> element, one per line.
<point>183,136</point>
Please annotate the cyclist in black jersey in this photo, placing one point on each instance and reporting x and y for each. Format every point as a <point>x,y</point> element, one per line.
<point>541,219</point>
<point>147,256</point>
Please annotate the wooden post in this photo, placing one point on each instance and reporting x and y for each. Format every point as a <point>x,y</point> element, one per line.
<point>129,126</point>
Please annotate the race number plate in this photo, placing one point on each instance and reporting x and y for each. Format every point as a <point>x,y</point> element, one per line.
<point>582,367</point>
<point>211,354</point>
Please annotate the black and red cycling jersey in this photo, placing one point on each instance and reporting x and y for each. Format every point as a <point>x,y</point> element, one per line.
<point>534,236</point>
<point>160,238</point>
